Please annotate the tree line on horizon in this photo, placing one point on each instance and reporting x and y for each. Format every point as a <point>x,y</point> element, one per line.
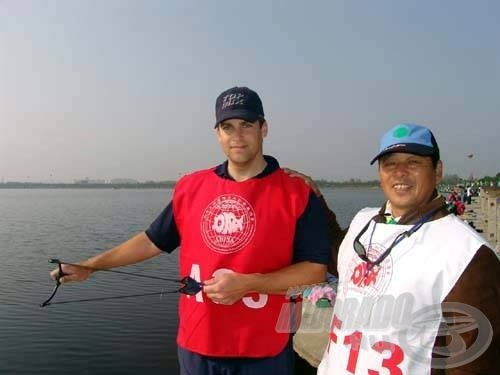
<point>449,180</point>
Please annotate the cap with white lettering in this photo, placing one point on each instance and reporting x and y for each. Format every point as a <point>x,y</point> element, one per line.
<point>238,102</point>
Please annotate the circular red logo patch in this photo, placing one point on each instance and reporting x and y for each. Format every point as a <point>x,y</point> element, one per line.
<point>369,282</point>
<point>228,223</point>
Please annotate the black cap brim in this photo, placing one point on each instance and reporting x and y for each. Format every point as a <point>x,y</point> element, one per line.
<point>407,148</point>
<point>240,114</point>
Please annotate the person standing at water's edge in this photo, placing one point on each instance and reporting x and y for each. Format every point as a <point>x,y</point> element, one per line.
<point>418,288</point>
<point>249,232</point>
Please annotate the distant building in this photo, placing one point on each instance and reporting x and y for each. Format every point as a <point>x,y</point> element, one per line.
<point>123,181</point>
<point>87,180</point>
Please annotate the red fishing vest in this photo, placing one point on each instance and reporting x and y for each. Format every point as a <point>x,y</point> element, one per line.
<point>244,227</point>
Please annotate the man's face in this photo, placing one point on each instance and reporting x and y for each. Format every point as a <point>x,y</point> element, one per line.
<point>241,140</point>
<point>408,180</point>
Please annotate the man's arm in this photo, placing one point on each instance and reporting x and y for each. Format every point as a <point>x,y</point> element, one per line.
<point>335,233</point>
<point>228,288</point>
<point>162,235</point>
<point>135,250</point>
<point>479,287</point>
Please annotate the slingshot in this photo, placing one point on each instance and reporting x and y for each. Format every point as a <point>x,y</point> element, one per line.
<point>189,286</point>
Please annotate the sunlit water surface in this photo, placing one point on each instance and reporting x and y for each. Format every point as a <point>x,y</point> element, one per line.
<point>123,336</point>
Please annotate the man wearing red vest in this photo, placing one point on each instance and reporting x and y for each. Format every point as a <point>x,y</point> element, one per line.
<point>249,233</point>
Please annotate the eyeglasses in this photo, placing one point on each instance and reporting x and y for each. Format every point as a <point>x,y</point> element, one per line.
<point>360,249</point>
<point>363,254</point>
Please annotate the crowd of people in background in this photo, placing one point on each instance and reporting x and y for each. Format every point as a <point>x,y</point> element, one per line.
<point>460,196</point>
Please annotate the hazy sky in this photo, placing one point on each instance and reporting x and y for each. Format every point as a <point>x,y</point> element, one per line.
<point>110,89</point>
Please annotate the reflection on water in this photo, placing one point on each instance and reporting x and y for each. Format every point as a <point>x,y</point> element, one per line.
<point>124,336</point>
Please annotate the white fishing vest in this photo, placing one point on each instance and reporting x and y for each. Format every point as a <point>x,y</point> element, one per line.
<point>386,320</point>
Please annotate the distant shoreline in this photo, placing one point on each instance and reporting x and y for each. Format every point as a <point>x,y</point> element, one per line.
<point>154,185</point>
<point>41,185</point>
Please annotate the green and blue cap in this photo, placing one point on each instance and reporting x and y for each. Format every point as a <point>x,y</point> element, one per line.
<point>410,139</point>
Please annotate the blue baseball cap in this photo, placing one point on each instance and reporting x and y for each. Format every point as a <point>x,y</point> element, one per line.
<point>238,102</point>
<point>410,139</point>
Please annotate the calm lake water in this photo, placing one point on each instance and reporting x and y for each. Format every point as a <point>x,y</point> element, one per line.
<point>124,336</point>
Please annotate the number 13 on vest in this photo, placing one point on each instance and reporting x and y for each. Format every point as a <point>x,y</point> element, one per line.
<point>391,354</point>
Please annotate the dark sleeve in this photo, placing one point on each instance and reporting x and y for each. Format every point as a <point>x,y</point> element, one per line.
<point>479,287</point>
<point>163,231</point>
<point>335,234</point>
<point>311,236</point>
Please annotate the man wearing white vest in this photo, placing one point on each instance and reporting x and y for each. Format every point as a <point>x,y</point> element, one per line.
<point>418,288</point>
